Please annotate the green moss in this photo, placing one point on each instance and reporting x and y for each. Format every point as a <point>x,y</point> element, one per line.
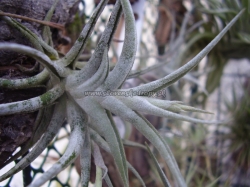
<point>6,83</point>
<point>46,98</point>
<point>13,106</point>
<point>31,80</point>
<point>25,103</point>
<point>73,155</point>
<point>80,39</point>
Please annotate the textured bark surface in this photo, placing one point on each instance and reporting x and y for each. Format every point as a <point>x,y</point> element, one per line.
<point>16,130</point>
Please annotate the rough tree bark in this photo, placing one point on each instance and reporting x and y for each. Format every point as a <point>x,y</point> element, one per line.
<point>16,130</point>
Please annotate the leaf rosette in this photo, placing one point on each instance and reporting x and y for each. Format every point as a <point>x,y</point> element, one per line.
<point>79,95</point>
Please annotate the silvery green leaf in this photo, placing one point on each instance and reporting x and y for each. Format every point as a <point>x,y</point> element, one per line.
<point>117,107</point>
<point>71,57</point>
<point>126,60</point>
<point>25,82</point>
<point>32,104</point>
<point>94,62</point>
<point>101,122</point>
<point>85,159</point>
<point>53,128</point>
<point>158,167</point>
<point>177,74</point>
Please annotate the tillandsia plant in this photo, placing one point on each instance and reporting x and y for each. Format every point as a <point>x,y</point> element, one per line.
<point>89,96</point>
<point>236,140</point>
<point>233,46</point>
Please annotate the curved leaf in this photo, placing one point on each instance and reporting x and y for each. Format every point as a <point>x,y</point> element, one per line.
<point>101,122</point>
<point>158,167</point>
<point>95,81</point>
<point>71,57</point>
<point>85,159</point>
<point>139,104</point>
<point>25,82</point>
<point>54,126</point>
<point>118,75</point>
<point>177,74</point>
<point>120,109</point>
<point>32,104</point>
<point>38,43</point>
<point>76,140</point>
<point>94,62</point>
<point>54,69</point>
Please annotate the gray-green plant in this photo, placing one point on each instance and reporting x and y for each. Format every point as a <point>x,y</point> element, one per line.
<point>89,96</point>
<point>235,45</point>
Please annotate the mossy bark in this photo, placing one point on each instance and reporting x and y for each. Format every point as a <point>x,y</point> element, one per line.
<point>17,130</point>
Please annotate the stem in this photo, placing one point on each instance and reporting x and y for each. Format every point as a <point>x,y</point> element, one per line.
<point>48,23</point>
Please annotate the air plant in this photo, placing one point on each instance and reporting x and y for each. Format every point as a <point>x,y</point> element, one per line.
<point>237,138</point>
<point>216,14</point>
<point>89,96</point>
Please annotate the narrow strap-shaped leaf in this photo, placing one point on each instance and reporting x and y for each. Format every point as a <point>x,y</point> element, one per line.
<point>76,116</point>
<point>119,140</point>
<point>118,75</point>
<point>25,82</point>
<point>42,119</point>
<point>53,68</point>
<point>95,81</point>
<point>157,134</point>
<point>98,159</point>
<point>99,140</point>
<point>160,172</point>
<point>108,181</point>
<point>174,106</point>
<point>25,32</point>
<point>117,107</point>
<point>98,177</point>
<point>130,143</point>
<point>133,170</point>
<point>68,157</point>
<point>177,74</point>
<point>78,119</point>
<point>46,29</point>
<point>191,79</point>
<point>137,73</point>
<point>71,57</point>
<point>28,70</point>
<point>85,159</point>
<point>193,109</point>
<point>165,104</point>
<point>32,104</point>
<point>155,101</point>
<point>139,104</point>
<point>41,124</point>
<point>94,62</point>
<point>213,183</point>
<point>101,122</point>
<point>104,145</point>
<point>77,122</point>
<point>38,43</point>
<point>53,128</point>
